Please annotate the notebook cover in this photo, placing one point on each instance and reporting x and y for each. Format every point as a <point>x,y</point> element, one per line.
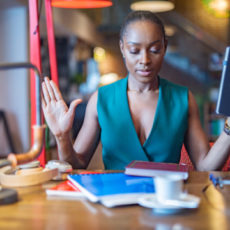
<point>146,168</point>
<point>66,188</point>
<point>97,186</point>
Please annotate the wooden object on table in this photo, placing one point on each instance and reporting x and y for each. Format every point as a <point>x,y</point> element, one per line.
<point>26,177</point>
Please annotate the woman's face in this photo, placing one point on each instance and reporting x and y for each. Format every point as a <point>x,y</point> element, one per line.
<point>143,48</point>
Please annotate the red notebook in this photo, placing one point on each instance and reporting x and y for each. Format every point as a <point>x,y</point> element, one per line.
<point>146,168</point>
<point>65,189</point>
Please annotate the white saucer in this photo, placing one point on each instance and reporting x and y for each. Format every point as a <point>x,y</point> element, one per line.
<point>186,201</point>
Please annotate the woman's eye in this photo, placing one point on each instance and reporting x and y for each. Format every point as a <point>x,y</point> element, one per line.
<point>155,51</point>
<point>133,51</point>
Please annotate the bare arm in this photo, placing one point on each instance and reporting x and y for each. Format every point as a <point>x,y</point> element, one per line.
<point>197,144</point>
<point>60,119</point>
<point>87,140</point>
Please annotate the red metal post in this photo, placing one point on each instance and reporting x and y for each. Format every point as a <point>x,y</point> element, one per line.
<point>35,58</point>
<point>51,42</point>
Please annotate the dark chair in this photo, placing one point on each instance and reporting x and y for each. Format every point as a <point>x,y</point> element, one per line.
<point>7,131</point>
<point>79,118</point>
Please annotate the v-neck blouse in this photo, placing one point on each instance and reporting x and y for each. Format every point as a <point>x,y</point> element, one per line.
<point>120,142</point>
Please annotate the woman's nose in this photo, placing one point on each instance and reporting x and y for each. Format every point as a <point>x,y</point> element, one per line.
<point>144,59</point>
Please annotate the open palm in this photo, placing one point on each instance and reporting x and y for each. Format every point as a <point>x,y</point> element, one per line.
<point>57,114</point>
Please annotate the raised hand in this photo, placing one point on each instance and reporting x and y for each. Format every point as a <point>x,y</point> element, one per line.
<point>57,114</point>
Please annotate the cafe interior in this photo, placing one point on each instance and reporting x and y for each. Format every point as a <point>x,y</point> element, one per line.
<point>76,44</point>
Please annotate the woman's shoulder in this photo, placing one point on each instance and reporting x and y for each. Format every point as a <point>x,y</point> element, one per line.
<point>174,86</point>
<point>112,86</point>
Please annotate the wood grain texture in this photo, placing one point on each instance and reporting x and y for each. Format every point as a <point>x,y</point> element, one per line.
<point>35,211</point>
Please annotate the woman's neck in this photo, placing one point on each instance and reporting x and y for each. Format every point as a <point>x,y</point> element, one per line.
<point>139,87</point>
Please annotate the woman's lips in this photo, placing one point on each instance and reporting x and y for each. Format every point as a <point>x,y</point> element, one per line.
<point>144,72</point>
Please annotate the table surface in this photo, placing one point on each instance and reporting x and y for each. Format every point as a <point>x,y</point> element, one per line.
<point>35,210</point>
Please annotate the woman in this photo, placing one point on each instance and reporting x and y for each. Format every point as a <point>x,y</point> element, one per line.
<point>141,117</point>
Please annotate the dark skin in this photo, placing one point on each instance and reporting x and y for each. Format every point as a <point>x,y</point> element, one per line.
<point>143,56</point>
<point>143,47</point>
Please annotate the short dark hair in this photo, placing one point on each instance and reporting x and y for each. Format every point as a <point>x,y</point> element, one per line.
<point>141,15</point>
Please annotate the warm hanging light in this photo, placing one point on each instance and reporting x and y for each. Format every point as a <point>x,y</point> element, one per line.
<point>170,30</point>
<point>220,8</point>
<point>81,4</point>
<point>154,6</point>
<point>99,54</point>
<point>221,5</point>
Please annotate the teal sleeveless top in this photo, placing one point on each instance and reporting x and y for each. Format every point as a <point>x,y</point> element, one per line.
<point>120,142</point>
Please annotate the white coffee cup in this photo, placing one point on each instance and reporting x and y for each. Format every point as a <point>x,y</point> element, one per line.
<point>168,187</point>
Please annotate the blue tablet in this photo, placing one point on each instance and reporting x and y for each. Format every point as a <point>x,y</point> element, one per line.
<point>223,102</point>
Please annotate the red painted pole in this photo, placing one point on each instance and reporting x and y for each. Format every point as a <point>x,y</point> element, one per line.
<point>35,58</point>
<point>51,42</point>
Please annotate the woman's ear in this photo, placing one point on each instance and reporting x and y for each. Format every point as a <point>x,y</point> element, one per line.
<point>165,44</point>
<point>122,48</point>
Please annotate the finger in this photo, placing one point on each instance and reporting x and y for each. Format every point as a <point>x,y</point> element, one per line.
<point>50,89</point>
<point>43,100</point>
<point>46,95</point>
<point>73,106</point>
<point>56,91</point>
<point>44,109</point>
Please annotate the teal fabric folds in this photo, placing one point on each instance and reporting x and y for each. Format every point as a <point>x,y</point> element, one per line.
<point>120,142</point>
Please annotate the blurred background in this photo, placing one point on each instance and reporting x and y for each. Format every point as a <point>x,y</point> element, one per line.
<point>88,56</point>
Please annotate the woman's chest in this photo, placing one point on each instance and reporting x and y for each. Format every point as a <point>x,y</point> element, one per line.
<point>143,111</point>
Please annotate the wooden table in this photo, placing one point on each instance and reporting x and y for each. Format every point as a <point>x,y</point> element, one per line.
<point>36,211</point>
